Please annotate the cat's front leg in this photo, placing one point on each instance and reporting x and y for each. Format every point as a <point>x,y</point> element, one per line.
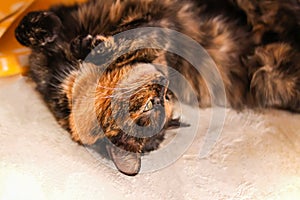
<point>37,29</point>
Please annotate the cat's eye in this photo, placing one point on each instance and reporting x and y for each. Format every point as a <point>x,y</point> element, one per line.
<point>149,106</point>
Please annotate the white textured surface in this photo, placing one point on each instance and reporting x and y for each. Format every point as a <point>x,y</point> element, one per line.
<point>256,157</point>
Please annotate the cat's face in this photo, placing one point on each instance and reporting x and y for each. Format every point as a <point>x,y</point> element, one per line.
<point>137,106</point>
<point>131,108</point>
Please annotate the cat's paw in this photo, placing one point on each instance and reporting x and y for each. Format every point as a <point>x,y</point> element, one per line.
<point>81,46</point>
<point>38,29</point>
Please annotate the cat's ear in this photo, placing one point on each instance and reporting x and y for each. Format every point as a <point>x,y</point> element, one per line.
<point>38,29</point>
<point>126,162</point>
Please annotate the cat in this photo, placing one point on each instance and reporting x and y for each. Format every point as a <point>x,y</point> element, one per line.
<point>254,44</point>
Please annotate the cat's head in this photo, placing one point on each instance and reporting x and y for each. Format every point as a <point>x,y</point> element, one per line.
<point>130,106</point>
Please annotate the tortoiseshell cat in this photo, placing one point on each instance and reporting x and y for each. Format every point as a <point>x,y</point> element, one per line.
<point>254,43</point>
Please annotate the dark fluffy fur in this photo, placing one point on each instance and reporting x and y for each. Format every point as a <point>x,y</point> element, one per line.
<point>255,45</point>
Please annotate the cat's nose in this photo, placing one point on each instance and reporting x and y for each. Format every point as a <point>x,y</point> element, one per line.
<point>156,101</point>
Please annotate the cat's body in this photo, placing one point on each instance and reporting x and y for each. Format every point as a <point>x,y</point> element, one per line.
<point>257,58</point>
